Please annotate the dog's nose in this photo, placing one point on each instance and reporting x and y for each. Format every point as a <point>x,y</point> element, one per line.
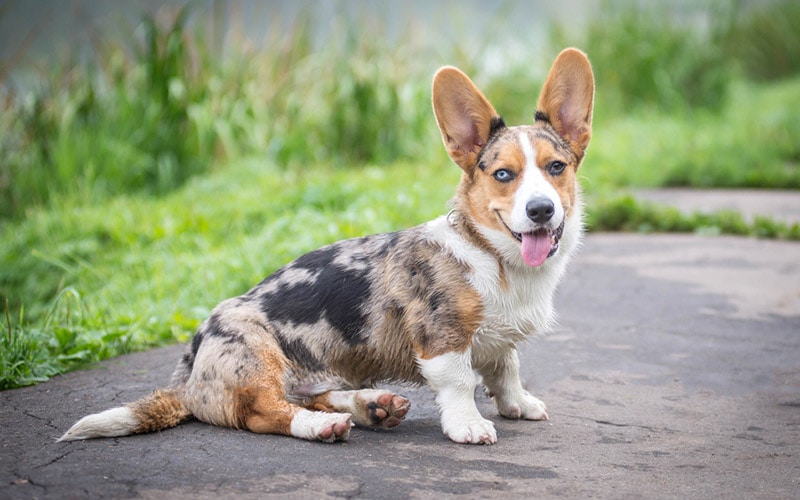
<point>540,210</point>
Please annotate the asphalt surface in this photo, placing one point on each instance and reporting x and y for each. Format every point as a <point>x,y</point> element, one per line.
<point>675,372</point>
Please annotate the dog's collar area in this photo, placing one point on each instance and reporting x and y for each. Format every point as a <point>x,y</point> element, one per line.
<point>449,217</point>
<point>462,225</point>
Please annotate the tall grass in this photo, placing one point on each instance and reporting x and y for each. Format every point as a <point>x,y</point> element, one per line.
<point>683,55</point>
<point>763,39</point>
<point>147,115</point>
<point>121,124</point>
<point>354,102</point>
<point>147,119</point>
<point>661,57</point>
<point>65,337</point>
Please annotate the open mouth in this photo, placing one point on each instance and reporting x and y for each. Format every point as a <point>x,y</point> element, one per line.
<point>538,245</point>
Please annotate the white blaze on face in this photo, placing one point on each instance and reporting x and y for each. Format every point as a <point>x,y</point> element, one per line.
<point>534,184</point>
<point>537,241</point>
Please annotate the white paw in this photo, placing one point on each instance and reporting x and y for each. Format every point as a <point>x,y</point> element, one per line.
<point>478,431</point>
<point>523,406</point>
<point>321,426</point>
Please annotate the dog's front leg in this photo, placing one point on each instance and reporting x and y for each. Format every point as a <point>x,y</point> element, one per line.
<point>452,378</point>
<point>502,380</point>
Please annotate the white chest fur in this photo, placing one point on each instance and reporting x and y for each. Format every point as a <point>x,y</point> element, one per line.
<point>524,304</point>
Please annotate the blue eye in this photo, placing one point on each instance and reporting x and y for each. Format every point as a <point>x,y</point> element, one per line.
<point>503,175</point>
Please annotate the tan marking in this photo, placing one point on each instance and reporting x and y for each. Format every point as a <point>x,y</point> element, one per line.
<point>566,183</point>
<point>260,406</point>
<point>320,403</point>
<point>160,410</point>
<point>486,199</point>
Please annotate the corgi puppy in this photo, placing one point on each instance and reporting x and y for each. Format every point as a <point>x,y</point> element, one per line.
<point>444,303</point>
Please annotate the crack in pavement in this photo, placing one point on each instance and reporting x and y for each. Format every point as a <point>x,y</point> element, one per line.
<point>56,459</point>
<point>617,424</point>
<point>47,421</point>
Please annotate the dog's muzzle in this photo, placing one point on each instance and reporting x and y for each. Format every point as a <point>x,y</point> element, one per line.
<point>531,243</point>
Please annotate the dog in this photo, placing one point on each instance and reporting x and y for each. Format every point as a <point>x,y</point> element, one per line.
<point>444,303</point>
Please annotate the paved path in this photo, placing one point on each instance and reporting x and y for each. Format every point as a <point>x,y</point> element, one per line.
<point>675,373</point>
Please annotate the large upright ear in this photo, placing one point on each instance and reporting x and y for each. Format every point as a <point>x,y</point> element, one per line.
<point>465,117</point>
<point>568,97</point>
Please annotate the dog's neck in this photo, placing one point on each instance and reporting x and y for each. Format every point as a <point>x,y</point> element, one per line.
<point>465,227</point>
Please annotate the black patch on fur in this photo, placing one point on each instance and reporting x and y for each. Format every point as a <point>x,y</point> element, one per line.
<point>495,126</point>
<point>318,259</point>
<point>292,304</point>
<point>188,358</point>
<point>196,341</point>
<point>214,328</point>
<point>336,294</point>
<point>420,278</point>
<point>541,116</point>
<point>298,352</point>
<point>422,336</point>
<point>435,300</point>
<point>188,361</point>
<point>558,142</point>
<point>390,241</point>
<point>344,312</point>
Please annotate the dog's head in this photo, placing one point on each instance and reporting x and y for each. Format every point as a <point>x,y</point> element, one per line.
<point>519,184</point>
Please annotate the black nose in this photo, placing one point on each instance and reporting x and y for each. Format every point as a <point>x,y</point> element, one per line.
<point>540,210</point>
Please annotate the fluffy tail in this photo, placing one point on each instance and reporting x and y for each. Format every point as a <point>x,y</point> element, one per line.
<point>160,410</point>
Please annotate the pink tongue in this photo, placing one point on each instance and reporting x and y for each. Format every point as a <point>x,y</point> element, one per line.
<point>535,248</point>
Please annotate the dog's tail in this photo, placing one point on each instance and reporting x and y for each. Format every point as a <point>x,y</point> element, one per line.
<point>160,410</point>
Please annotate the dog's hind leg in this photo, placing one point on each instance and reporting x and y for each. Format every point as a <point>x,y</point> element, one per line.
<point>259,404</point>
<point>259,410</point>
<point>369,407</point>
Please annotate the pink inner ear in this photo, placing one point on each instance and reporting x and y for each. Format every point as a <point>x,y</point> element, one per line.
<point>571,120</point>
<point>466,136</point>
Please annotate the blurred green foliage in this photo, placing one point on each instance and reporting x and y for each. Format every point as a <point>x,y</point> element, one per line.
<point>146,117</point>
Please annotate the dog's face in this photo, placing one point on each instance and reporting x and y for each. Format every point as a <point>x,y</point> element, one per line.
<point>519,183</point>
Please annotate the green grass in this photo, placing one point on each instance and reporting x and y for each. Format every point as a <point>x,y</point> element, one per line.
<point>751,142</point>
<point>141,188</point>
<point>147,118</point>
